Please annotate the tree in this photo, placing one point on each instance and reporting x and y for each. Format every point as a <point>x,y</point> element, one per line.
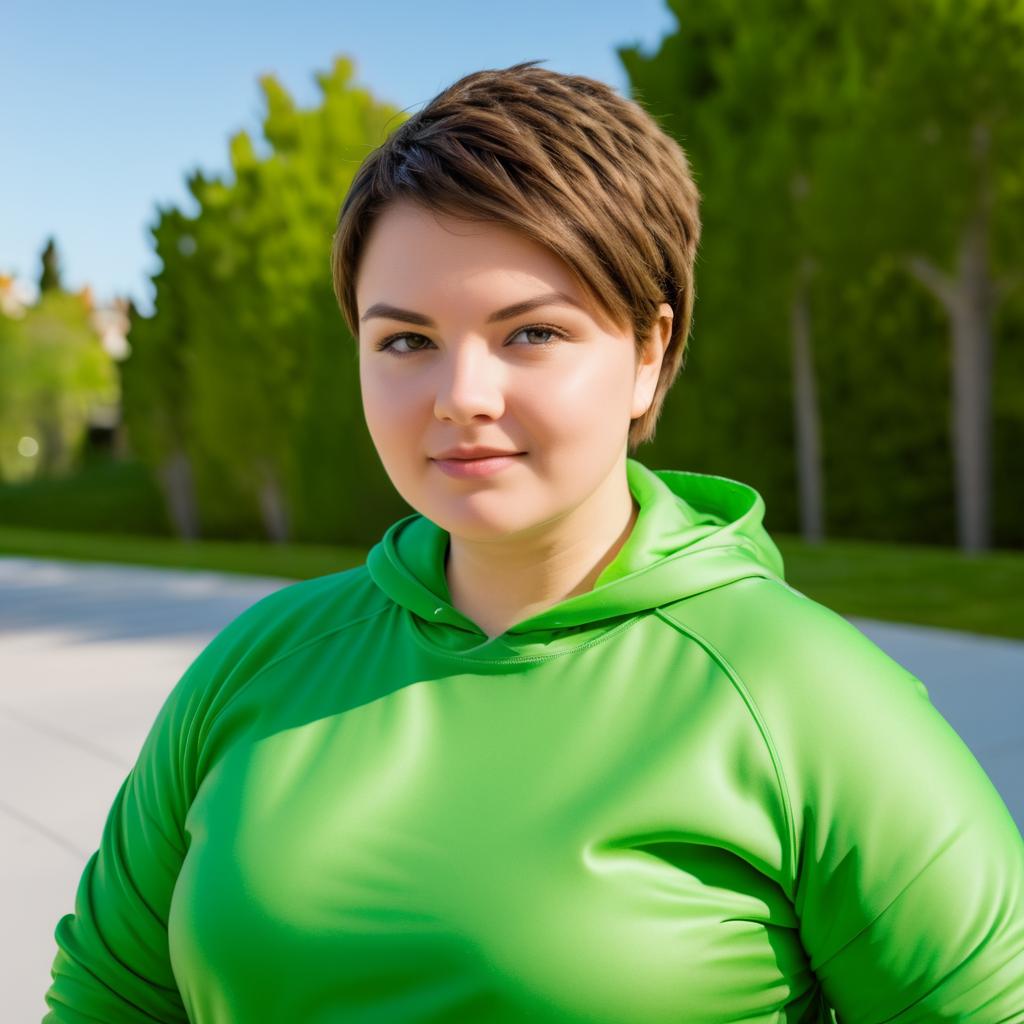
<point>834,141</point>
<point>155,374</point>
<point>265,376</point>
<point>935,150</point>
<point>49,277</point>
<point>53,372</point>
<point>750,88</point>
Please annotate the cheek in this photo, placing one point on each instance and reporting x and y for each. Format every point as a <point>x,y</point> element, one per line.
<point>585,393</point>
<point>389,406</point>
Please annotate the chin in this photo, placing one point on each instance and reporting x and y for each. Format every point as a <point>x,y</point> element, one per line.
<point>483,521</point>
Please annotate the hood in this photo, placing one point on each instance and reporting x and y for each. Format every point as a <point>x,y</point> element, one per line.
<point>693,532</point>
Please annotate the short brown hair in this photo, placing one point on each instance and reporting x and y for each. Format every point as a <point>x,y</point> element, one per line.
<point>568,162</point>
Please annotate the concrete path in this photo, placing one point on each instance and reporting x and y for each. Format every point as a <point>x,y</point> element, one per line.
<point>89,651</point>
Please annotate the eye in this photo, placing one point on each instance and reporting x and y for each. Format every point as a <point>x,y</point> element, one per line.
<point>388,344</point>
<point>554,332</point>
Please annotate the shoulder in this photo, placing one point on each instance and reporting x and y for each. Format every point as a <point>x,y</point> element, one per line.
<point>832,699</point>
<point>789,649</point>
<point>840,715</point>
<point>854,732</point>
<point>300,612</point>
<point>283,621</point>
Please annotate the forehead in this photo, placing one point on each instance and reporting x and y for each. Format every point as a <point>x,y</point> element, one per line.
<point>413,253</point>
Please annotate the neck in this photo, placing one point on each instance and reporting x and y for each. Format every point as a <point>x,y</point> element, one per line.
<point>500,583</point>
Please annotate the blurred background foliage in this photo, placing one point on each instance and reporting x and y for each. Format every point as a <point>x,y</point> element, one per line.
<point>242,390</point>
<point>857,349</point>
<point>55,377</point>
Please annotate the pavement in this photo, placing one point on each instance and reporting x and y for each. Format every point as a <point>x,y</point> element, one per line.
<point>89,651</point>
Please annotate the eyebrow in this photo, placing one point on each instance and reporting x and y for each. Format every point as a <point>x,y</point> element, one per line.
<point>389,312</point>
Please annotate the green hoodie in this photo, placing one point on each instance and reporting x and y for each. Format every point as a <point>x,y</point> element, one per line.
<point>691,794</point>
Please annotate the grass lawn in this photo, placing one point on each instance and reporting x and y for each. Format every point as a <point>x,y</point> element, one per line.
<point>932,586</point>
<point>899,583</point>
<point>292,561</point>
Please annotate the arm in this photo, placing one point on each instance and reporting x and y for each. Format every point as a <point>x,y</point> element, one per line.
<point>909,870</point>
<point>112,963</point>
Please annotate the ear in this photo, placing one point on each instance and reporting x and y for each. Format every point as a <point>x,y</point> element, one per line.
<point>648,364</point>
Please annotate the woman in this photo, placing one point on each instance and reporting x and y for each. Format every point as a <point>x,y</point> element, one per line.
<point>567,747</point>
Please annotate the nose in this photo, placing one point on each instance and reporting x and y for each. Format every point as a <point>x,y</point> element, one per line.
<point>471,384</point>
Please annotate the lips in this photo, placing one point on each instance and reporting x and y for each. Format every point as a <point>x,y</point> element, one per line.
<point>477,458</point>
<point>481,466</point>
<point>462,457</point>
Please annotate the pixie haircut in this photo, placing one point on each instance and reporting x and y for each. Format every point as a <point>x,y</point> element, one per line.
<point>567,162</point>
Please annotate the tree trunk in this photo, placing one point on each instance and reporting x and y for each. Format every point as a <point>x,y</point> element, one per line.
<point>51,443</point>
<point>179,494</point>
<point>273,507</point>
<point>970,300</point>
<point>972,416</point>
<point>807,419</point>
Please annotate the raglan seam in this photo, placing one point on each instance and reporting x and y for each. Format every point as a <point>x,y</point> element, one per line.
<point>208,723</point>
<point>762,727</point>
<point>285,654</point>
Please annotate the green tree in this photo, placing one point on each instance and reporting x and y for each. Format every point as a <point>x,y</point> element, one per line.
<point>266,376</point>
<point>155,374</point>
<point>833,144</point>
<point>54,372</point>
<point>741,87</point>
<point>49,276</point>
<point>935,152</point>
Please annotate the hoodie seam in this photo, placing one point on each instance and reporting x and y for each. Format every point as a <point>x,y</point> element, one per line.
<point>762,727</point>
<point>691,550</point>
<point>276,659</point>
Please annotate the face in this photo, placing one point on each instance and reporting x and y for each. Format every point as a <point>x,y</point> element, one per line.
<point>446,360</point>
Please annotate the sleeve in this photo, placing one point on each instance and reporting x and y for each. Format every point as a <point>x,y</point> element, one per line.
<point>112,963</point>
<point>909,869</point>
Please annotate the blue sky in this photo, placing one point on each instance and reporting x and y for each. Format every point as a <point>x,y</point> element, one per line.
<point>109,105</point>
